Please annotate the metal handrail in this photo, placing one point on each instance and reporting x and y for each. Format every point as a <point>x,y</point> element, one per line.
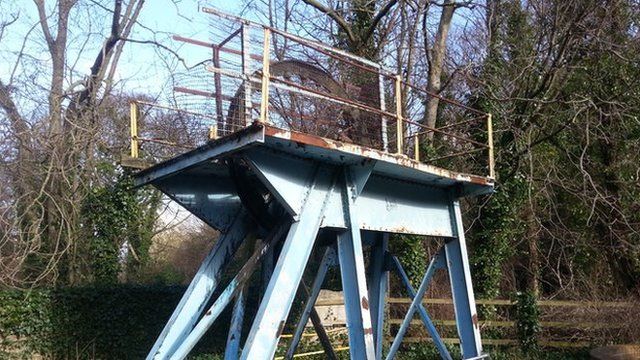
<point>413,129</point>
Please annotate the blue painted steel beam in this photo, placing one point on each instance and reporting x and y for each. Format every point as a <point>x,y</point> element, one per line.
<point>232,349</point>
<point>328,260</point>
<point>274,168</point>
<point>274,308</point>
<point>395,206</point>
<point>461,289</point>
<point>426,319</point>
<point>417,299</point>
<point>213,199</point>
<point>234,288</point>
<point>361,344</point>
<point>267,270</point>
<point>378,283</point>
<point>200,289</point>
<point>213,149</point>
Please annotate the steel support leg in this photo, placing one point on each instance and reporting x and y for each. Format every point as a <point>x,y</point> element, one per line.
<point>274,308</point>
<point>231,352</point>
<point>436,262</point>
<point>426,320</point>
<point>354,284</point>
<point>327,261</point>
<point>234,288</point>
<point>199,291</point>
<point>460,277</point>
<point>378,283</point>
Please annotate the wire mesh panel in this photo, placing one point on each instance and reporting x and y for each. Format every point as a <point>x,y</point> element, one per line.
<point>257,73</point>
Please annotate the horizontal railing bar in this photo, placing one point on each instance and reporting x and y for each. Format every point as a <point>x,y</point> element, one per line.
<point>206,94</point>
<point>450,101</point>
<point>307,42</point>
<point>291,86</point>
<point>173,109</point>
<point>212,46</point>
<point>334,56</point>
<point>484,117</point>
<point>164,142</point>
<point>430,129</point>
<point>456,154</point>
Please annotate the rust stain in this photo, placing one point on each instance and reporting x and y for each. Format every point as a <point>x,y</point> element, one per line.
<point>365,303</point>
<point>474,319</point>
<point>208,313</point>
<point>400,159</point>
<point>368,331</point>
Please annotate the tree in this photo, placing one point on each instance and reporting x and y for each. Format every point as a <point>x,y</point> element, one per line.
<point>52,152</point>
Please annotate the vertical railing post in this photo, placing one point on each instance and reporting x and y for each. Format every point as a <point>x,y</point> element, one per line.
<point>246,58</point>
<point>213,132</point>
<point>399,124</point>
<point>133,107</point>
<point>218,87</point>
<point>264,102</point>
<point>490,144</point>
<point>383,108</point>
<point>416,143</point>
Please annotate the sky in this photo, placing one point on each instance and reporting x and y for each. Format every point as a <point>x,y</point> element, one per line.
<point>142,68</point>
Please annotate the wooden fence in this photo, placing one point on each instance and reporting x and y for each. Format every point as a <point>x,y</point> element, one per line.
<point>336,325</point>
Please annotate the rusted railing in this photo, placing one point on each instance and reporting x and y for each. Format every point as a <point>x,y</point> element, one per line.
<point>306,86</point>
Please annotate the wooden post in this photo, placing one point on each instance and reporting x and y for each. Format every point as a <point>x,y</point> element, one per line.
<point>416,143</point>
<point>264,102</point>
<point>399,124</point>
<point>492,173</point>
<point>133,107</point>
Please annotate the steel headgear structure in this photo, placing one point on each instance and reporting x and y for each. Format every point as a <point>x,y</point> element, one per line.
<point>295,185</point>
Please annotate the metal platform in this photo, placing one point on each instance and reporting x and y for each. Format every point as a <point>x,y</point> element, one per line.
<point>357,195</point>
<point>301,160</point>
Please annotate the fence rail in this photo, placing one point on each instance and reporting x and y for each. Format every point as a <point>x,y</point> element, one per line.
<point>339,327</point>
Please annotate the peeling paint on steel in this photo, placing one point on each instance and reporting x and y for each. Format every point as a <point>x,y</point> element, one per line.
<point>302,139</point>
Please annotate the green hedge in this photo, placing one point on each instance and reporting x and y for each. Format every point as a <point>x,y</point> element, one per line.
<point>118,322</point>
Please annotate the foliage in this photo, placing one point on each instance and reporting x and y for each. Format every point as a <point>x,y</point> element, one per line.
<point>117,217</point>
<point>411,253</point>
<point>527,321</point>
<point>116,322</point>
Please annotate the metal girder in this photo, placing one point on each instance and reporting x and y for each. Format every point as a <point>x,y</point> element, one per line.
<point>213,199</point>
<point>327,261</point>
<point>394,206</point>
<point>378,284</point>
<point>235,287</point>
<point>424,316</point>
<point>214,149</point>
<point>200,289</point>
<point>275,170</point>
<point>231,351</point>
<point>360,173</point>
<point>461,288</point>
<point>354,286</point>
<point>436,262</point>
<point>274,308</point>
